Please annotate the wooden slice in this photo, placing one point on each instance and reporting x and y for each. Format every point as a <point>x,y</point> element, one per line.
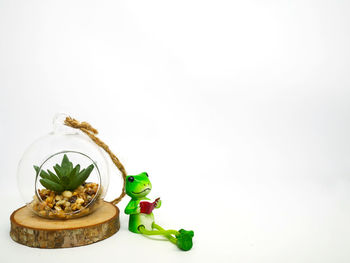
<point>34,231</point>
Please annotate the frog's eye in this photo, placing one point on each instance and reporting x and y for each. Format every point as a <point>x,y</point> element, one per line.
<point>146,174</point>
<point>131,179</point>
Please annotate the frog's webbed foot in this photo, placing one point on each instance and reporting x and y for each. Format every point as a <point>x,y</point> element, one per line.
<point>184,239</point>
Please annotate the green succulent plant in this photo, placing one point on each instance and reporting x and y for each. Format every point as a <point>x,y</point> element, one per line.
<point>66,177</point>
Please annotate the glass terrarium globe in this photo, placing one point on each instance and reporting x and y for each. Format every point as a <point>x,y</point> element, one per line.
<point>63,174</point>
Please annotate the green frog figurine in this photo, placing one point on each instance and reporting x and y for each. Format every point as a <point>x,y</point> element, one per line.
<point>141,218</point>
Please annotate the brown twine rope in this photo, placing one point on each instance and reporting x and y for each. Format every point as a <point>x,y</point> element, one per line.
<point>91,132</point>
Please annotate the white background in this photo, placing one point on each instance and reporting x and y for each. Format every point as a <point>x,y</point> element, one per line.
<point>238,110</point>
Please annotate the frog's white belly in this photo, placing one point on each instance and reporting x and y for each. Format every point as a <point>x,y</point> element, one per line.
<point>146,220</point>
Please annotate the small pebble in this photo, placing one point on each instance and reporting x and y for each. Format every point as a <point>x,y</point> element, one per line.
<point>80,201</point>
<point>67,194</point>
<point>73,199</point>
<point>90,192</point>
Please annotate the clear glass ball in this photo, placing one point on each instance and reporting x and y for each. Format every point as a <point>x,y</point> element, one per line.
<point>41,169</point>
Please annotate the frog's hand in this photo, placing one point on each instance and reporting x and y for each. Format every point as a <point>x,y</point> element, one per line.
<point>132,208</point>
<point>158,203</point>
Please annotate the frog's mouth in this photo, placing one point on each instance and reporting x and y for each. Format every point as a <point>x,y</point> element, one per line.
<point>144,190</point>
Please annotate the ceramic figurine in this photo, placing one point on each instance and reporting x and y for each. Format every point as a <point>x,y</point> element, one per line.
<point>141,218</point>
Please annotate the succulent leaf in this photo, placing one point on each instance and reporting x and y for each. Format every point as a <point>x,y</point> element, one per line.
<point>53,177</point>
<point>65,180</point>
<point>58,171</point>
<point>81,177</point>
<point>70,167</point>
<point>85,174</point>
<point>65,160</point>
<point>43,174</point>
<point>66,165</point>
<point>74,172</point>
<point>52,185</point>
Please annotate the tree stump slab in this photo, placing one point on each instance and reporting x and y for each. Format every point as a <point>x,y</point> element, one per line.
<point>34,231</point>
